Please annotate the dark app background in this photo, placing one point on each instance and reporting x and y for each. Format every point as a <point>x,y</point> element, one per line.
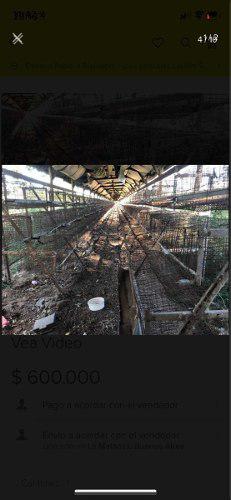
<point>185,379</point>
<point>160,370</point>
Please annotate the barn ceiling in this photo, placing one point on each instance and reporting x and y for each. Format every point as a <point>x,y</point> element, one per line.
<point>114,182</point>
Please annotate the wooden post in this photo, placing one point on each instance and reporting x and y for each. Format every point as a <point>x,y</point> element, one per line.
<point>51,187</point>
<point>175,181</point>
<point>198,178</point>
<point>28,218</point>
<point>206,299</point>
<point>201,256</point>
<point>65,205</point>
<point>211,179</point>
<point>183,315</point>
<point>4,187</point>
<point>175,188</point>
<point>159,189</point>
<point>72,188</point>
<point>5,258</point>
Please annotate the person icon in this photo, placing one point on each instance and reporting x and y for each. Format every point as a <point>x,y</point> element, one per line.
<point>21,405</point>
<point>21,435</point>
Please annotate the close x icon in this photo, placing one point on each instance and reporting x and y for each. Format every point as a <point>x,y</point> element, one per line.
<point>17,39</point>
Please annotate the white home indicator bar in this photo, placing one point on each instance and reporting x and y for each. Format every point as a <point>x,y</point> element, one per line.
<point>115,492</point>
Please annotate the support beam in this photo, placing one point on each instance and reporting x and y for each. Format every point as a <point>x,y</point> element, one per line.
<point>175,181</point>
<point>198,178</point>
<point>160,177</point>
<point>17,204</point>
<point>5,258</point>
<point>17,175</point>
<point>13,223</point>
<point>72,187</point>
<point>65,205</point>
<point>159,189</point>
<point>183,315</point>
<point>173,257</point>
<point>201,256</point>
<point>202,198</point>
<point>51,173</point>
<point>28,218</point>
<point>205,301</point>
<point>61,201</point>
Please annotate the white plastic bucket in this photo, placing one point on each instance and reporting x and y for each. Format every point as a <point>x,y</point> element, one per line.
<point>96,304</point>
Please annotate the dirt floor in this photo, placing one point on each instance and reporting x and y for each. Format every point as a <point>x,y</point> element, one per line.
<point>23,302</point>
<point>115,242</point>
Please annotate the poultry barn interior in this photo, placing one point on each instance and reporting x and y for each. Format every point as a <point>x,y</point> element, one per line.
<point>149,242</point>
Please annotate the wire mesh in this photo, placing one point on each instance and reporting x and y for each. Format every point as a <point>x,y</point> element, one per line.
<point>38,236</point>
<point>163,284</point>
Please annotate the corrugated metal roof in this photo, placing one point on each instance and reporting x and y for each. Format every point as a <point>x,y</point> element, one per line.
<point>72,171</point>
<point>111,181</point>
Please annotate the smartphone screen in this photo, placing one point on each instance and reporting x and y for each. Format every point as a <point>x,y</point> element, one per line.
<point>115,224</point>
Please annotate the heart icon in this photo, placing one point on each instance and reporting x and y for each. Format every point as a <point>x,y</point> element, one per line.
<point>158,41</point>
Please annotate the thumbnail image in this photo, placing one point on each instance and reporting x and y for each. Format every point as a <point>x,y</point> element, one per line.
<point>115,249</point>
